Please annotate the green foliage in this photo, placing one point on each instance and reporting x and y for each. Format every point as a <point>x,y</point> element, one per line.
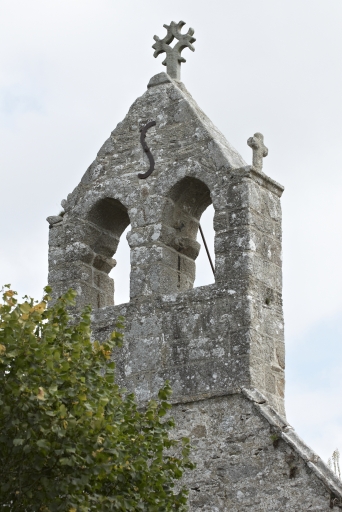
<point>70,439</point>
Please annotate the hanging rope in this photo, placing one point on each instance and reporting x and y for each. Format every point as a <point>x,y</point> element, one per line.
<point>206,248</point>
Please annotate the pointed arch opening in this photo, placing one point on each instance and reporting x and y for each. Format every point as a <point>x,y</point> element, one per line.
<point>106,222</point>
<point>186,202</point>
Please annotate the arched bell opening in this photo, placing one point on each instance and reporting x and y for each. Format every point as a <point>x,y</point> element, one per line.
<point>106,221</point>
<point>186,202</point>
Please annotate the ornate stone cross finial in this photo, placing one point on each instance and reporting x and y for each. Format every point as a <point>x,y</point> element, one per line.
<point>259,149</point>
<point>173,55</point>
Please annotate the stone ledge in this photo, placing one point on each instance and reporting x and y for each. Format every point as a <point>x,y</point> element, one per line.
<point>268,182</point>
<point>203,396</point>
<point>54,219</point>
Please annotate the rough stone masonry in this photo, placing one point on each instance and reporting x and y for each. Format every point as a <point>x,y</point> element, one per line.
<point>222,345</point>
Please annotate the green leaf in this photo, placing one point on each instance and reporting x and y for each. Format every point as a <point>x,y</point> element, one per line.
<point>43,443</point>
<point>65,462</point>
<point>18,442</point>
<point>74,430</point>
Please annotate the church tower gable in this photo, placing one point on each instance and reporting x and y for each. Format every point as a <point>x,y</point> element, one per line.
<point>221,346</point>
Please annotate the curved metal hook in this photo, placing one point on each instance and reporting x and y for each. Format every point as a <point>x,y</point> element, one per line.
<point>143,130</point>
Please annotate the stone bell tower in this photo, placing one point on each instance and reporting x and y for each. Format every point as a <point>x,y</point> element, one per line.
<point>221,346</point>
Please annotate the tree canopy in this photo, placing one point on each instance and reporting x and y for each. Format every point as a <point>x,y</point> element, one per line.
<point>70,439</point>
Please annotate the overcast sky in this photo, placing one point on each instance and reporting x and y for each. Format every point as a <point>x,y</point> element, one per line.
<point>70,69</point>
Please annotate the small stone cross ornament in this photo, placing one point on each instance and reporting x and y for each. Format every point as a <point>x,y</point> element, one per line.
<point>173,55</point>
<point>259,150</point>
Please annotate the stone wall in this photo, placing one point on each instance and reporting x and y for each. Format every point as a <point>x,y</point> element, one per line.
<point>232,331</point>
<point>210,342</point>
<point>243,464</point>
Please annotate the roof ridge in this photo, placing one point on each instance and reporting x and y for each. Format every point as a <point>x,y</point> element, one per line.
<point>289,435</point>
